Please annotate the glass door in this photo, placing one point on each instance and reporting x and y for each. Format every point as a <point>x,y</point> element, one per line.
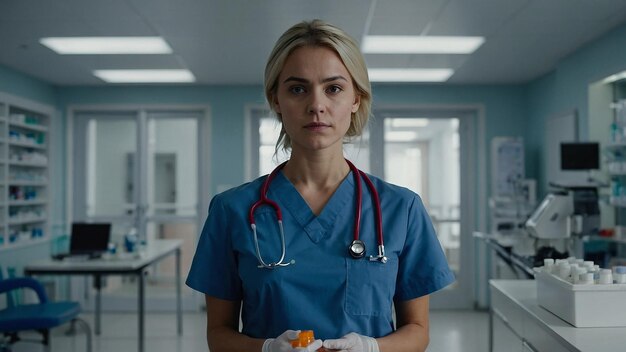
<point>425,151</point>
<point>139,170</point>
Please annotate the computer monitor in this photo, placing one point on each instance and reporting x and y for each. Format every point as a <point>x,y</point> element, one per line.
<point>89,238</point>
<point>580,156</point>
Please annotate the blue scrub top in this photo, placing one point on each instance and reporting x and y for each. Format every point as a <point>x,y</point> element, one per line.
<point>326,290</point>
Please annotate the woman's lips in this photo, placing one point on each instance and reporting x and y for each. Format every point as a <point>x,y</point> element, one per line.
<point>316,126</point>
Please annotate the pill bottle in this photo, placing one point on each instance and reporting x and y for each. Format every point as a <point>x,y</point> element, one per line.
<point>305,338</point>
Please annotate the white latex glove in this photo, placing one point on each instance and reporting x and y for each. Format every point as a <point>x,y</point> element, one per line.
<point>283,343</point>
<point>353,342</point>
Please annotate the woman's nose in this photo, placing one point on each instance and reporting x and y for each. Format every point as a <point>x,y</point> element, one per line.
<point>316,104</point>
<point>316,109</point>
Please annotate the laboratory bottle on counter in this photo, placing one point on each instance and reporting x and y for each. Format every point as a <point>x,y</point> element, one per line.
<point>130,240</point>
<point>586,279</point>
<point>563,270</point>
<point>606,277</point>
<point>548,265</point>
<point>620,275</point>
<point>580,272</point>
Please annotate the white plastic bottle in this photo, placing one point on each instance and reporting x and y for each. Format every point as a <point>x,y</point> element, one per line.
<point>563,270</point>
<point>548,265</point>
<point>606,277</point>
<point>620,275</point>
<point>580,272</point>
<point>586,279</point>
<point>573,273</point>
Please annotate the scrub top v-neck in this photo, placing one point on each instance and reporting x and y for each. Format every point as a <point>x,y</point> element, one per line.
<point>325,290</point>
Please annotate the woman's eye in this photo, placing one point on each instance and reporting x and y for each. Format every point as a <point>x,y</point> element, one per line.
<point>334,89</point>
<point>296,89</point>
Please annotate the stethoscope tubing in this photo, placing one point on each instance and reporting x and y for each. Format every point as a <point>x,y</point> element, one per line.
<point>358,174</point>
<point>263,200</point>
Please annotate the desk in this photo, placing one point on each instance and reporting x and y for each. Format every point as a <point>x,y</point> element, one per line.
<point>155,251</point>
<point>518,323</point>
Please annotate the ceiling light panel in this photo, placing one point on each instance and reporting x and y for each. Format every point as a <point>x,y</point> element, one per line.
<point>409,74</point>
<point>616,77</point>
<point>106,45</point>
<point>145,76</point>
<point>397,44</point>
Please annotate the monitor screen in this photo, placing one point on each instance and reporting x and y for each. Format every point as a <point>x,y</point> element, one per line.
<point>580,156</point>
<point>89,238</point>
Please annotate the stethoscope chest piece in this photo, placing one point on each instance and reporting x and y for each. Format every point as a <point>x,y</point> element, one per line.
<point>357,249</point>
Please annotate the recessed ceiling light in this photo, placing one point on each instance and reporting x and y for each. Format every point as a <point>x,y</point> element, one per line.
<point>400,44</point>
<point>145,76</point>
<point>409,74</point>
<point>107,45</point>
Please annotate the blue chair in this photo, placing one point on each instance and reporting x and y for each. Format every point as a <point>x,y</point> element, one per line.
<point>40,317</point>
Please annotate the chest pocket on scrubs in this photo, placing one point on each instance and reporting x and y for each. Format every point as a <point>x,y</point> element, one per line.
<point>370,286</point>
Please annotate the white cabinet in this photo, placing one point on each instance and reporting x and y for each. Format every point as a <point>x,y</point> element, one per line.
<point>507,323</point>
<point>24,171</point>
<point>537,338</point>
<point>518,323</point>
<point>504,337</point>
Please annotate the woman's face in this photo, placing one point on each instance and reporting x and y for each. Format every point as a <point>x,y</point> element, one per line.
<point>315,98</point>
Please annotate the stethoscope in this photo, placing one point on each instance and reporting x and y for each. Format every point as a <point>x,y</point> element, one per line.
<point>356,249</point>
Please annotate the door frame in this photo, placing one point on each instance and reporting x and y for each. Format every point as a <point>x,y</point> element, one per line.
<point>473,190</point>
<point>204,152</point>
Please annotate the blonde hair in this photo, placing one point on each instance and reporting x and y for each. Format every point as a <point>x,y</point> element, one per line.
<point>320,33</point>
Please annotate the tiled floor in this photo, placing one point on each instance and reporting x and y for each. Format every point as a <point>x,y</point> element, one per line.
<point>459,331</point>
<point>451,331</point>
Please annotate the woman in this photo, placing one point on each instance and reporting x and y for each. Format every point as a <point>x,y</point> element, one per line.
<point>304,278</point>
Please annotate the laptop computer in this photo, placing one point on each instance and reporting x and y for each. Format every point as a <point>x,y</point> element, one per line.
<point>88,239</point>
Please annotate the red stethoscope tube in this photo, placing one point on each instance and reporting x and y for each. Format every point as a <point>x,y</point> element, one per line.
<point>356,248</point>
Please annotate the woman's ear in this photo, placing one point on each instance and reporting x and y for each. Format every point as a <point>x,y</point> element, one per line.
<point>357,103</point>
<point>275,104</point>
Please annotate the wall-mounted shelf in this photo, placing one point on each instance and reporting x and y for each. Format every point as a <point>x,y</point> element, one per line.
<point>27,144</point>
<point>616,153</point>
<point>24,172</point>
<point>34,127</point>
<point>27,202</point>
<point>27,164</point>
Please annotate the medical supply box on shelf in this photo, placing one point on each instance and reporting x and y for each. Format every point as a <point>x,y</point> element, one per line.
<point>582,305</point>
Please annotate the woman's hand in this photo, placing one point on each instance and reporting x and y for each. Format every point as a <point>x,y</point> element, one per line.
<point>353,342</point>
<point>283,343</point>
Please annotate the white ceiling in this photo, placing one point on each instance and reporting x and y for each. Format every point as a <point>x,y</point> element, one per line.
<point>228,41</point>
